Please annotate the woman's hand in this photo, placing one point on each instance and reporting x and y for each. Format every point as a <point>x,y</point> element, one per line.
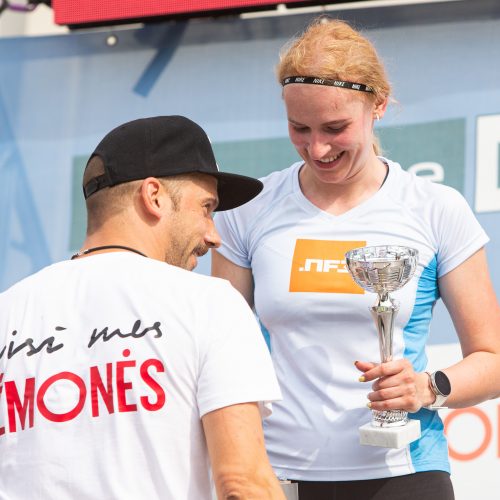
<point>396,386</point>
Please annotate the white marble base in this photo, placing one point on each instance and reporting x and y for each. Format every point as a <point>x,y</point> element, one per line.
<point>291,490</point>
<point>389,437</point>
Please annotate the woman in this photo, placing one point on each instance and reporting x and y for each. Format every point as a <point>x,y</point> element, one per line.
<point>285,251</point>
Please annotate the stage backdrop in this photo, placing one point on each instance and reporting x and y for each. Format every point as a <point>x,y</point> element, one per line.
<point>60,95</point>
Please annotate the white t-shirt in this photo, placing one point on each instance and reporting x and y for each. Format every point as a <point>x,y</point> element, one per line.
<point>107,364</point>
<point>319,321</point>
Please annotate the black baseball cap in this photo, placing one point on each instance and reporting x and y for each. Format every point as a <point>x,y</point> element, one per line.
<point>163,146</point>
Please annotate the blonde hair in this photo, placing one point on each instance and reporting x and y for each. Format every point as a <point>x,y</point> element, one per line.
<point>332,49</point>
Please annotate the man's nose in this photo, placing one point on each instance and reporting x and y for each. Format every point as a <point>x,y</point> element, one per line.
<point>212,237</point>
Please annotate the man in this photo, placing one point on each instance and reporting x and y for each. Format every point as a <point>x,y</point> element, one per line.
<point>122,377</point>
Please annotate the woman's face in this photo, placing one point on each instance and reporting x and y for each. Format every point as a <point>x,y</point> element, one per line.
<point>331,128</point>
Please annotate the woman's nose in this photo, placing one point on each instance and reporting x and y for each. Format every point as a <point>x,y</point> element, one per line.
<point>318,147</point>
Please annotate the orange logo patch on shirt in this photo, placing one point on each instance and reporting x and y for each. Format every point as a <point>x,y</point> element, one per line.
<point>319,266</point>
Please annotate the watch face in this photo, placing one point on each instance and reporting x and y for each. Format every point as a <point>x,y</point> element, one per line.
<point>442,383</point>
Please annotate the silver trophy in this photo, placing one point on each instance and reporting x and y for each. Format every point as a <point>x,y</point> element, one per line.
<point>384,269</point>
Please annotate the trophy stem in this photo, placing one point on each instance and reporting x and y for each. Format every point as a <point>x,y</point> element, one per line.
<point>384,313</point>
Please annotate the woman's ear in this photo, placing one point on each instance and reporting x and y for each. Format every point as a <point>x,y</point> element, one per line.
<point>380,108</point>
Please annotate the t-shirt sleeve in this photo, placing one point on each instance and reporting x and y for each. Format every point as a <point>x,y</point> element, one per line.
<point>458,231</point>
<point>231,227</point>
<point>235,364</point>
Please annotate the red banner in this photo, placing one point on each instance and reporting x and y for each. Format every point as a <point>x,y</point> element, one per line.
<point>75,12</point>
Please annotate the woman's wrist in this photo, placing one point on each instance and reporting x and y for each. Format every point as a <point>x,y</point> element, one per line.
<point>427,396</point>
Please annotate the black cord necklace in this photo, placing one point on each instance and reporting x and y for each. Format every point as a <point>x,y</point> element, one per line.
<point>105,247</point>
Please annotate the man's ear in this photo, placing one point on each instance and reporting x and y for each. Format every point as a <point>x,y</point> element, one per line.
<point>153,196</point>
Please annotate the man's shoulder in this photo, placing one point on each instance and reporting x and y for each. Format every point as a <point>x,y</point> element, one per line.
<point>189,281</point>
<point>133,271</point>
<point>44,274</point>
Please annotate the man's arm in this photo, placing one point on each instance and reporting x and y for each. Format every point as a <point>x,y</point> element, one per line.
<point>240,465</point>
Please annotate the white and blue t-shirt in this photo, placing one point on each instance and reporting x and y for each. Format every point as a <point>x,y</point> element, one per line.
<point>319,321</point>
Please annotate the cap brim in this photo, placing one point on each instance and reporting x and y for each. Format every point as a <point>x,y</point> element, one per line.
<point>235,190</point>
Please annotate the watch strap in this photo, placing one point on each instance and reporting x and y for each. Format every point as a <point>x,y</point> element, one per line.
<point>438,403</point>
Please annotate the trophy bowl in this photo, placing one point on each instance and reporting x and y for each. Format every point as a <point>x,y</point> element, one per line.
<point>382,269</point>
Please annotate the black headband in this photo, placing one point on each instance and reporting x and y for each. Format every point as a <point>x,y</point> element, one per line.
<point>322,81</point>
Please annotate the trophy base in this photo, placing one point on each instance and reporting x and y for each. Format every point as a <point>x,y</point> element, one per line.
<point>389,437</point>
<point>291,490</point>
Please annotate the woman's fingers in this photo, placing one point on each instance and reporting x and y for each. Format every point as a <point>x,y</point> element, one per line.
<point>394,385</point>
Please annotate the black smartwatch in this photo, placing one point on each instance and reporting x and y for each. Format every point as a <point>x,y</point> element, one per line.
<point>440,385</point>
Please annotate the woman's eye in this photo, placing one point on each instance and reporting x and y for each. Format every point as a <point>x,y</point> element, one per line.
<point>335,130</point>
